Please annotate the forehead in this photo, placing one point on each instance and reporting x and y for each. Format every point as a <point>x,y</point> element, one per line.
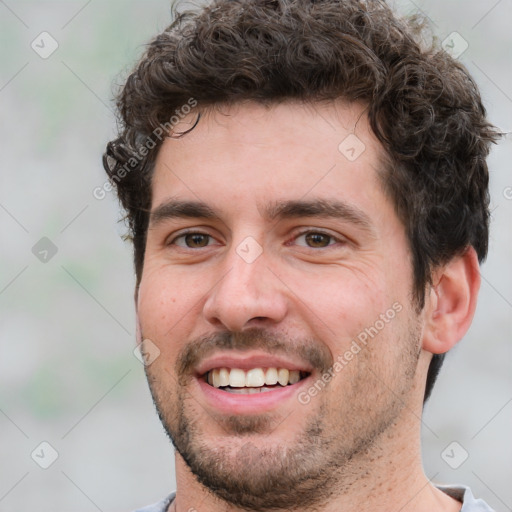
<point>263,153</point>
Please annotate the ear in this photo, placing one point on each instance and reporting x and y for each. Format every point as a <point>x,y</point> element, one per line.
<point>450,305</point>
<point>138,333</point>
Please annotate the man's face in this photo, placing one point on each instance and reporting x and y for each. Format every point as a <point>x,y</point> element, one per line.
<point>272,246</point>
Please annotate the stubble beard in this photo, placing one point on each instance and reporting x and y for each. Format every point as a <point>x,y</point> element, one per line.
<point>327,457</point>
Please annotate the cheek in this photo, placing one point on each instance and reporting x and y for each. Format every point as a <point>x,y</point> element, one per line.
<point>163,306</point>
<point>376,365</point>
<point>342,302</point>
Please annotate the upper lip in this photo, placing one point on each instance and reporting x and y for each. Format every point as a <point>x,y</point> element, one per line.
<point>247,361</point>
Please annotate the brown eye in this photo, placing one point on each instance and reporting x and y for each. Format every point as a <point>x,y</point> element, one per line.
<point>195,240</point>
<point>317,240</point>
<point>192,240</point>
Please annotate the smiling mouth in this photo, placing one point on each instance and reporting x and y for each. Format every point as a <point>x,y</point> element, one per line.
<point>255,380</point>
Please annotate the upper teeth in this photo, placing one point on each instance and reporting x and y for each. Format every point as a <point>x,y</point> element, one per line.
<point>253,378</point>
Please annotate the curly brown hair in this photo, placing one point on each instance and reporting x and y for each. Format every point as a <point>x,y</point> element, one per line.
<point>422,105</point>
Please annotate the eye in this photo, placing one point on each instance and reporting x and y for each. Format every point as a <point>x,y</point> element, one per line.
<point>192,240</point>
<point>315,239</point>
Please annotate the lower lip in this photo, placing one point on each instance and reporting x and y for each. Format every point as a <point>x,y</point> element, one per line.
<point>256,403</point>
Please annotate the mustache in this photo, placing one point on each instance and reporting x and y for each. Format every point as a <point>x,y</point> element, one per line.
<point>308,349</point>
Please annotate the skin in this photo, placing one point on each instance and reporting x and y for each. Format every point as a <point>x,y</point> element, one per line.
<point>305,298</point>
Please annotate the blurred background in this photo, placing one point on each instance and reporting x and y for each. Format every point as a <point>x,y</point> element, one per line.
<point>77,426</point>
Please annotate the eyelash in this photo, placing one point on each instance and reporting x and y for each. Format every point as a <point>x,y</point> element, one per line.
<point>331,237</point>
<point>188,233</point>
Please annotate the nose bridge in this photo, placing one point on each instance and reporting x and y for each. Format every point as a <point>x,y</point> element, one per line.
<point>246,274</point>
<point>248,290</point>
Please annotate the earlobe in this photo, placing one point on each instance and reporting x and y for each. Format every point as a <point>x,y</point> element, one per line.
<point>137,321</point>
<point>451,302</point>
<point>138,329</point>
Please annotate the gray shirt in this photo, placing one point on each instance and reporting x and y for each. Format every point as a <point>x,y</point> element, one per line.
<point>458,492</point>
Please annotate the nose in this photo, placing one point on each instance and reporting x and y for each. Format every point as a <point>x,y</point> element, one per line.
<point>248,295</point>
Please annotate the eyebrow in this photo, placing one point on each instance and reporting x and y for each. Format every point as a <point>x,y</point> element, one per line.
<point>176,209</point>
<point>324,208</point>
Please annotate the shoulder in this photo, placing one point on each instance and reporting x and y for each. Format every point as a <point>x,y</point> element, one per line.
<point>161,506</point>
<point>464,494</point>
